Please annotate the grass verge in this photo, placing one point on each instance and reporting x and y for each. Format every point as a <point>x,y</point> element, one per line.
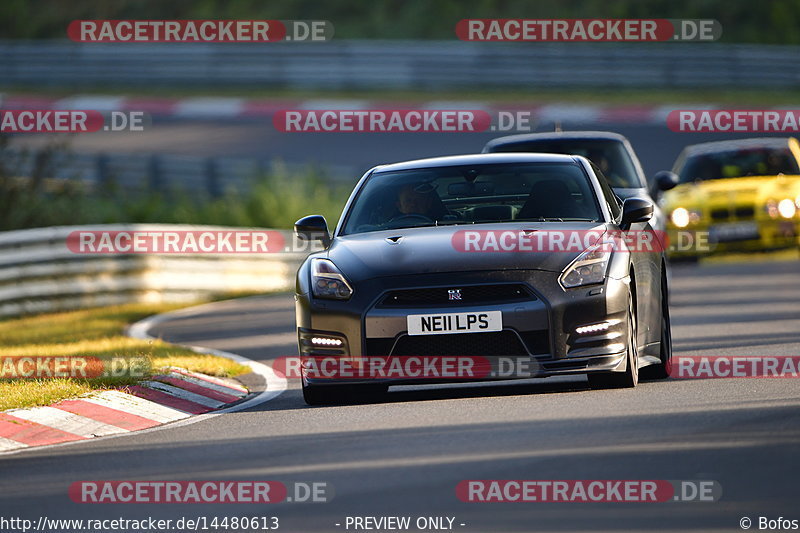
<point>94,335</point>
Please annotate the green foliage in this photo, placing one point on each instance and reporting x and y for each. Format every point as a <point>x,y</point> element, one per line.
<point>273,201</point>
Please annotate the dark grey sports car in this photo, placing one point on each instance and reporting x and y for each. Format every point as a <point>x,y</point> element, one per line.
<point>497,259</point>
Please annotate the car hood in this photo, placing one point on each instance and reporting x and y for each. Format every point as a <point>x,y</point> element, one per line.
<point>432,250</point>
<point>733,190</point>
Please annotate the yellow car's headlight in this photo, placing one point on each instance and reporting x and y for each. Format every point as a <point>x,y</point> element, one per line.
<point>682,217</point>
<point>786,208</point>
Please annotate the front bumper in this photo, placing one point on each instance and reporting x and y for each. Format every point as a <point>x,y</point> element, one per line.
<point>772,234</point>
<point>538,328</point>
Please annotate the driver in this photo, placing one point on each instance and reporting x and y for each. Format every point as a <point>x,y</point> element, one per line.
<point>598,157</point>
<point>414,200</point>
<point>777,163</point>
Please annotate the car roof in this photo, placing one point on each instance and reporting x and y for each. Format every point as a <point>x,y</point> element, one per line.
<point>557,136</point>
<point>723,146</point>
<point>477,159</point>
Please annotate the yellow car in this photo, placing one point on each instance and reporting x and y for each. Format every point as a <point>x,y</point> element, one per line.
<point>741,195</point>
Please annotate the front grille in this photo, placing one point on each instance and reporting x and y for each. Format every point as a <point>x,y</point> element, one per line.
<point>378,347</point>
<point>720,214</point>
<point>470,294</point>
<point>538,342</point>
<point>742,212</point>
<point>745,212</point>
<point>469,344</point>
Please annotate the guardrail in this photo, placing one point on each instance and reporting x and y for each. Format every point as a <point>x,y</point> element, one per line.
<point>197,176</point>
<point>39,273</point>
<point>417,65</point>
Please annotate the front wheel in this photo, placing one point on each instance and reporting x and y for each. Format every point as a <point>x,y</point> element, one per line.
<point>630,377</point>
<point>662,370</point>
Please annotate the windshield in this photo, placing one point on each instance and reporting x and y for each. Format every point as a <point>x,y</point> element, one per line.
<point>610,156</point>
<point>473,195</point>
<point>738,163</point>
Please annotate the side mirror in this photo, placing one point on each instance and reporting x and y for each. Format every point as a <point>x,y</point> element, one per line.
<point>665,180</point>
<point>313,228</point>
<point>636,210</point>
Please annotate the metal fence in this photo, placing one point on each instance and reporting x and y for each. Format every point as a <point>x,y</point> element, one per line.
<point>191,175</point>
<point>398,65</point>
<point>39,273</point>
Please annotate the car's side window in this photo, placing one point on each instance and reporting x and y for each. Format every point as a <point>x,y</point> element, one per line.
<point>614,205</point>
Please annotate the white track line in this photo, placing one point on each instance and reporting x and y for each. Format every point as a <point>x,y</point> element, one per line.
<point>276,385</point>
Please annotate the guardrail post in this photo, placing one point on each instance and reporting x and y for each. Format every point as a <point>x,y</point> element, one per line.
<point>212,178</point>
<point>101,165</point>
<point>154,173</point>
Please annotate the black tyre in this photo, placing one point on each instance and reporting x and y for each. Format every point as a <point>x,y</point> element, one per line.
<point>661,371</point>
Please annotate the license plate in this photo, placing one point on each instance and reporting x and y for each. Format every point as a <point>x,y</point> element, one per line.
<point>737,231</point>
<point>477,322</point>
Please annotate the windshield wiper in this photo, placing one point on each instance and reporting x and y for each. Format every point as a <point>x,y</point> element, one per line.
<point>540,219</point>
<point>555,219</point>
<point>452,222</point>
<point>431,224</point>
<point>410,226</point>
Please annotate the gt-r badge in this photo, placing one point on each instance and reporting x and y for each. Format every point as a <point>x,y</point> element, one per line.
<point>453,294</point>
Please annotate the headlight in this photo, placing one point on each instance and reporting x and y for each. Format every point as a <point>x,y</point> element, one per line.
<point>588,268</point>
<point>327,281</point>
<point>786,208</point>
<point>682,217</point>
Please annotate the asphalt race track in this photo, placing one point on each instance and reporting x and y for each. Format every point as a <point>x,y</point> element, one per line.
<point>404,457</point>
